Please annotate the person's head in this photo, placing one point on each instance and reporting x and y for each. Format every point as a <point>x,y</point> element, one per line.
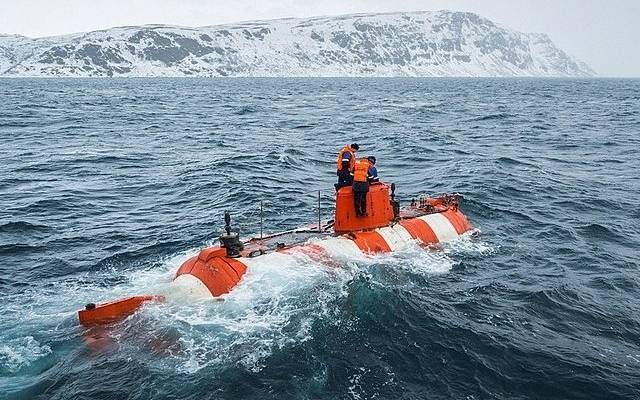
<point>354,146</point>
<point>372,160</point>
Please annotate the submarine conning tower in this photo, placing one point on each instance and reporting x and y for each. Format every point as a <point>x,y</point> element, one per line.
<point>382,209</point>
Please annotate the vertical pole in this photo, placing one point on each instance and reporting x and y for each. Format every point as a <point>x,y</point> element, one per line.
<point>261,219</point>
<point>319,223</point>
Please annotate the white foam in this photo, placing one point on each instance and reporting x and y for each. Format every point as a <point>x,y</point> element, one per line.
<point>277,302</point>
<point>49,309</point>
<point>21,352</point>
<point>416,259</point>
<point>467,244</point>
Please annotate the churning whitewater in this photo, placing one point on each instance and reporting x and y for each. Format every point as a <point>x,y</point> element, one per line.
<point>108,186</point>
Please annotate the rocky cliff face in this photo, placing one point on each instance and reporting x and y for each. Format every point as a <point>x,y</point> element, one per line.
<point>441,43</point>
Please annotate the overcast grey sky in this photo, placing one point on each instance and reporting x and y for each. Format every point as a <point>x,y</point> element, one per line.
<point>603,33</point>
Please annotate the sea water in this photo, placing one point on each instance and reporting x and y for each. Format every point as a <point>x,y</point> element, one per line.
<point>108,185</point>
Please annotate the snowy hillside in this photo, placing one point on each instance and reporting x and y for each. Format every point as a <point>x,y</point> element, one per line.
<point>440,43</point>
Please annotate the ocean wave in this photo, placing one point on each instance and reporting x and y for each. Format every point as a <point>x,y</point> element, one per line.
<point>490,117</point>
<point>20,353</point>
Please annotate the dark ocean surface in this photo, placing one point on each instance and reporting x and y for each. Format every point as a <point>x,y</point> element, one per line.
<point>107,186</point>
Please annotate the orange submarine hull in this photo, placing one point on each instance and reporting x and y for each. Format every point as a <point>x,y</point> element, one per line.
<point>385,228</point>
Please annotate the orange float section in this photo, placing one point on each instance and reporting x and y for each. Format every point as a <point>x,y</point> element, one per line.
<point>217,272</point>
<point>103,313</point>
<point>370,242</point>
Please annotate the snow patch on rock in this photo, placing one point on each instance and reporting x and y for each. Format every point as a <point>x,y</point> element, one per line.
<point>440,43</point>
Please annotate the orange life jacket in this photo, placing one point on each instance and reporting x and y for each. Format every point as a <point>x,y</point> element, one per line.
<point>352,160</point>
<point>361,171</point>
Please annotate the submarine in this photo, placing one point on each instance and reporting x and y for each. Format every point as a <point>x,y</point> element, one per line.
<point>386,227</point>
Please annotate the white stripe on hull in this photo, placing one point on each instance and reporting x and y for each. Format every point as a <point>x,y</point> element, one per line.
<point>339,247</point>
<point>441,226</point>
<point>396,236</point>
<point>192,285</point>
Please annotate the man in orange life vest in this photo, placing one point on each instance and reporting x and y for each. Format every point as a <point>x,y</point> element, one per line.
<point>345,164</point>
<point>364,174</point>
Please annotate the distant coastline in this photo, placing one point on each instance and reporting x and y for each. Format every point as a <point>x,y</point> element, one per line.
<point>418,44</point>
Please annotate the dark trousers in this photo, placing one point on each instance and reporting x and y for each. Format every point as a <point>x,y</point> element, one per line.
<point>360,190</point>
<point>344,178</point>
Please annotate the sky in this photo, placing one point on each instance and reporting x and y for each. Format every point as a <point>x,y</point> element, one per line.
<point>603,33</point>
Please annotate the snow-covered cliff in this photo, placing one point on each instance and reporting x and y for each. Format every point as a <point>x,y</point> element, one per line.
<point>441,43</point>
